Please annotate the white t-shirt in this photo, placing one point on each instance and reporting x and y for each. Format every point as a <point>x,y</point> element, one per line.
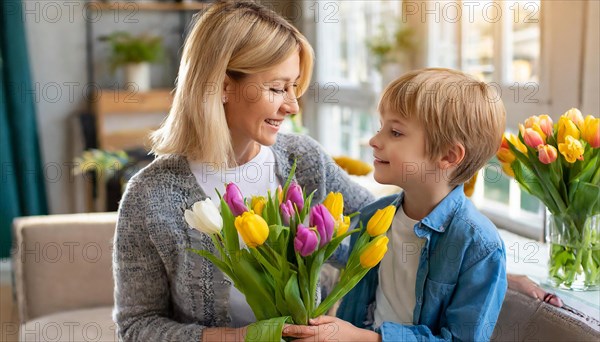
<point>254,178</point>
<point>395,295</point>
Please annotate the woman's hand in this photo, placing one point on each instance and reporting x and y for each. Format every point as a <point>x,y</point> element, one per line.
<point>527,287</point>
<point>327,328</point>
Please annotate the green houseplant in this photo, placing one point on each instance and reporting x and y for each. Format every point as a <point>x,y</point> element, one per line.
<point>134,53</point>
<point>391,49</point>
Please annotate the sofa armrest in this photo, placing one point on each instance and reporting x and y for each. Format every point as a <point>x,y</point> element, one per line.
<point>525,318</point>
<point>62,262</point>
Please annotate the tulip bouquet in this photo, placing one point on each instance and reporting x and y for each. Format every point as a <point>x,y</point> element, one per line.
<point>285,243</point>
<point>560,165</point>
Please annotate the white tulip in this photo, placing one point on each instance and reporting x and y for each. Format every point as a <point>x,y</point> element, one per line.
<point>205,217</point>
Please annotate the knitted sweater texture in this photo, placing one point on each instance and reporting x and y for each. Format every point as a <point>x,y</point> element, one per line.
<point>162,291</point>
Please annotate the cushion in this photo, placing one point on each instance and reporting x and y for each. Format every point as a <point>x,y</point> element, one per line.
<point>525,318</point>
<point>63,262</point>
<point>75,325</point>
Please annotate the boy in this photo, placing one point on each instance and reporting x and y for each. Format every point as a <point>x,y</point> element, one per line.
<point>444,275</point>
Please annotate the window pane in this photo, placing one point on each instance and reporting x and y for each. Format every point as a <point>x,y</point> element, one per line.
<point>349,131</point>
<point>529,203</point>
<point>478,42</point>
<point>496,183</point>
<point>525,41</point>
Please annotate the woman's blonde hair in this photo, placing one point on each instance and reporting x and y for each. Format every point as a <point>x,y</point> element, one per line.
<point>453,107</point>
<point>233,38</point>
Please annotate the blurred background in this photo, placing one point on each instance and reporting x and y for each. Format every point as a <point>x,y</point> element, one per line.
<point>83,82</point>
<point>69,64</point>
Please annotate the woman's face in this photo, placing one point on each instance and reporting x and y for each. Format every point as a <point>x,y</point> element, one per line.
<point>257,104</point>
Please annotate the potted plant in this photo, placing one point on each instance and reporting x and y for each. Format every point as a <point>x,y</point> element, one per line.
<point>134,54</point>
<point>391,51</point>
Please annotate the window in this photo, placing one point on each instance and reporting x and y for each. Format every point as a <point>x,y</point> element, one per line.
<point>497,41</point>
<point>343,95</point>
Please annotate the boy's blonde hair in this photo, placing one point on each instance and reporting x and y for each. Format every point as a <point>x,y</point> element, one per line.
<point>454,108</point>
<point>233,38</point>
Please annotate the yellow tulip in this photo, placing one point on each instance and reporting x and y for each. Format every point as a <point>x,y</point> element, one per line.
<point>381,221</point>
<point>253,228</point>
<point>470,185</point>
<point>574,115</point>
<point>334,202</point>
<point>374,252</point>
<point>516,142</point>
<point>353,166</point>
<point>508,170</point>
<point>504,153</point>
<point>566,127</point>
<point>341,226</point>
<point>258,204</point>
<point>280,194</point>
<point>591,131</point>
<point>571,149</point>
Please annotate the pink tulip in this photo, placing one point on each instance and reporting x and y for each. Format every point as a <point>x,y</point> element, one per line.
<point>306,241</point>
<point>234,199</point>
<point>532,138</point>
<point>287,211</point>
<point>547,154</point>
<point>294,194</point>
<point>546,125</point>
<point>321,218</point>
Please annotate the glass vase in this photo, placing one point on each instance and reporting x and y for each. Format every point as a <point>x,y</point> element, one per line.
<point>574,246</point>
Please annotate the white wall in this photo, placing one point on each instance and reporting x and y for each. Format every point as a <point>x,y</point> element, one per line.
<point>591,80</point>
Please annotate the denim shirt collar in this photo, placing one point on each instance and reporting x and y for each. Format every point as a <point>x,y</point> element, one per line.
<point>439,218</point>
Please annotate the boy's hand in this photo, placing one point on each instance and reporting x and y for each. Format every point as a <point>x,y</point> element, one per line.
<point>327,328</point>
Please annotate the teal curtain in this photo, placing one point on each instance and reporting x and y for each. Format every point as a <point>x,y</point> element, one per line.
<point>21,172</point>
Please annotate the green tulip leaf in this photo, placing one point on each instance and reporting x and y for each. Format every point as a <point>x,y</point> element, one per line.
<point>230,234</point>
<point>268,330</point>
<point>294,301</point>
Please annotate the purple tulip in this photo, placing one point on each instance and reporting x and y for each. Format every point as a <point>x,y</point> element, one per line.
<point>234,199</point>
<point>306,241</point>
<point>321,218</point>
<point>294,194</point>
<point>287,211</point>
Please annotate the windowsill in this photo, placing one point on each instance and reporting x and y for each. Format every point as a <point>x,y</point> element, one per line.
<point>530,258</point>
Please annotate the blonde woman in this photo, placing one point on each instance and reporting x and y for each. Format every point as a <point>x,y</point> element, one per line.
<point>242,70</point>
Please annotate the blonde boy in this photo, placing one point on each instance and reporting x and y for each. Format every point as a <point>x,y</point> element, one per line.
<point>443,276</point>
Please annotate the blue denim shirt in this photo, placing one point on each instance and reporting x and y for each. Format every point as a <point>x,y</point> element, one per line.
<point>461,279</point>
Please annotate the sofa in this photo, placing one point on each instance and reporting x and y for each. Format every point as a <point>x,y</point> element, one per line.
<point>64,287</point>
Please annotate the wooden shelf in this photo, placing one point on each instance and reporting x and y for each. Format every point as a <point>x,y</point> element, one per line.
<point>149,6</point>
<point>124,101</point>
<point>127,105</point>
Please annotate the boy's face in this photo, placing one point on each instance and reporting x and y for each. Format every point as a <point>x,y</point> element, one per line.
<point>399,152</point>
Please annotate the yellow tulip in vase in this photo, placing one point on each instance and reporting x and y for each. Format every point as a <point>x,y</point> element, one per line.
<point>560,165</point>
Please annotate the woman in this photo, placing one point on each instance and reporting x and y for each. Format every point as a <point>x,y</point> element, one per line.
<point>242,69</point>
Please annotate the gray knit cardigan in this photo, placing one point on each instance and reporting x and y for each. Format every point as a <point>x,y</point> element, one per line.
<point>162,291</point>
